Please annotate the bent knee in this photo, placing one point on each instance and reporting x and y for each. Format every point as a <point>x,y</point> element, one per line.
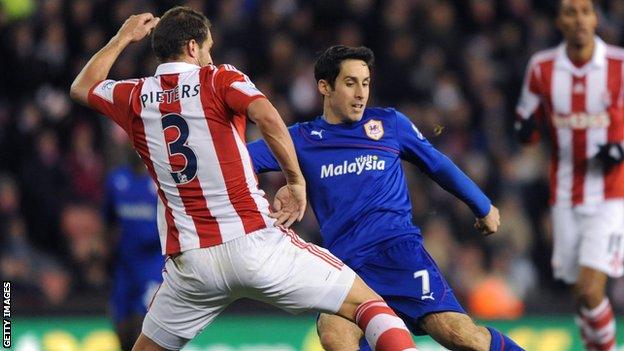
<point>337,333</point>
<point>588,295</point>
<point>336,342</point>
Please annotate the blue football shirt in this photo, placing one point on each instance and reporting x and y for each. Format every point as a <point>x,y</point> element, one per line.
<point>131,203</point>
<point>355,182</point>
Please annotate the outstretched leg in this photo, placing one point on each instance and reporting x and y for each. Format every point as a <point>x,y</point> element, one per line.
<point>457,331</point>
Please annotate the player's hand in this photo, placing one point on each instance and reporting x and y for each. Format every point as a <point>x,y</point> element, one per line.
<point>610,154</point>
<point>488,224</point>
<point>289,204</point>
<point>137,27</point>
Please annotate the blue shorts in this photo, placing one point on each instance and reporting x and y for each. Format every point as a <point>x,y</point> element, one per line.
<point>409,280</point>
<point>134,284</point>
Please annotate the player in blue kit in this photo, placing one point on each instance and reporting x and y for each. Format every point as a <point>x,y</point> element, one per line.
<point>131,207</point>
<point>351,159</point>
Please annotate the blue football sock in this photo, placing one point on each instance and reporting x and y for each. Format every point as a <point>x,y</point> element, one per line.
<point>501,342</point>
<point>364,345</point>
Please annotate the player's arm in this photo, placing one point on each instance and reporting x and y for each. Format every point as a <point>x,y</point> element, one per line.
<point>262,157</point>
<point>528,109</point>
<point>611,153</point>
<point>264,161</point>
<point>135,28</point>
<point>242,97</point>
<point>417,150</point>
<point>278,140</point>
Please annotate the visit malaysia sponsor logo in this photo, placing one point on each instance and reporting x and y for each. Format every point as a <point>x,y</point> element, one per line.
<point>357,166</point>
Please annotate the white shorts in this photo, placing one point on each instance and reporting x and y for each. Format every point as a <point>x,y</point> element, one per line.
<point>271,265</point>
<point>591,237</point>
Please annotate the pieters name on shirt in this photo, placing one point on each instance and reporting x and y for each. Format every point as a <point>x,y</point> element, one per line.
<point>360,164</point>
<point>171,95</point>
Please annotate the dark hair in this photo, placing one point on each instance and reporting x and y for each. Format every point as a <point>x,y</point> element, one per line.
<point>327,65</point>
<point>176,27</point>
<point>560,6</point>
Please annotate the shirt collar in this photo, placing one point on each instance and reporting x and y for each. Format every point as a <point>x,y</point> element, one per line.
<point>175,67</point>
<point>598,59</point>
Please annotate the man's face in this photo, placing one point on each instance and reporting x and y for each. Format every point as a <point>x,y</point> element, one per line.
<point>204,57</point>
<point>577,21</point>
<point>349,96</point>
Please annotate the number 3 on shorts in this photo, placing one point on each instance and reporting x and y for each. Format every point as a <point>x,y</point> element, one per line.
<point>426,289</point>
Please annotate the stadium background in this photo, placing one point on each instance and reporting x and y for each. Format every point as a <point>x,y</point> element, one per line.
<point>454,67</point>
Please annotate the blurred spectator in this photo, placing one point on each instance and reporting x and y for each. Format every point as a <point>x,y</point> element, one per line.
<point>44,184</point>
<point>32,272</point>
<point>83,229</point>
<point>85,165</point>
<point>54,283</point>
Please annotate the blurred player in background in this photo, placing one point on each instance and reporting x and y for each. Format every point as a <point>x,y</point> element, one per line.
<point>187,122</point>
<point>577,88</point>
<point>130,205</point>
<point>351,158</point>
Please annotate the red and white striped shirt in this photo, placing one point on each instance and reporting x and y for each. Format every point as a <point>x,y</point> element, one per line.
<point>584,107</point>
<point>188,125</point>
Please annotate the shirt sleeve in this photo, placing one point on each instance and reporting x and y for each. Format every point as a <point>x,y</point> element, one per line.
<point>112,99</point>
<point>527,109</point>
<point>261,157</point>
<point>529,97</point>
<point>415,149</point>
<point>235,88</point>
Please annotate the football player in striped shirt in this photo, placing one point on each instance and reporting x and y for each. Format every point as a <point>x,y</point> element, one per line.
<point>576,89</point>
<point>187,122</point>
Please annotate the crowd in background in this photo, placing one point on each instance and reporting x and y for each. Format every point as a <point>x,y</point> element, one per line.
<point>454,67</point>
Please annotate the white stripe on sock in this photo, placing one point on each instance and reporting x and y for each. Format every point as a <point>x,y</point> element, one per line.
<point>369,304</point>
<point>596,311</point>
<point>380,324</point>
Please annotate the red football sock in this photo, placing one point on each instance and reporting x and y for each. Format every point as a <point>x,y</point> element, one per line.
<point>383,330</point>
<point>599,326</point>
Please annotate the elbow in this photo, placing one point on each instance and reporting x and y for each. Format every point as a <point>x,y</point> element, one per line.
<point>73,91</point>
<point>263,113</point>
<point>268,119</point>
<point>78,93</point>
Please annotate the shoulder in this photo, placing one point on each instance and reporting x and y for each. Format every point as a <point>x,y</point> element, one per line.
<point>223,69</point>
<point>543,56</point>
<point>108,88</point>
<point>210,69</point>
<point>380,113</point>
<point>220,73</point>
<point>297,127</point>
<point>387,115</point>
<point>615,52</point>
